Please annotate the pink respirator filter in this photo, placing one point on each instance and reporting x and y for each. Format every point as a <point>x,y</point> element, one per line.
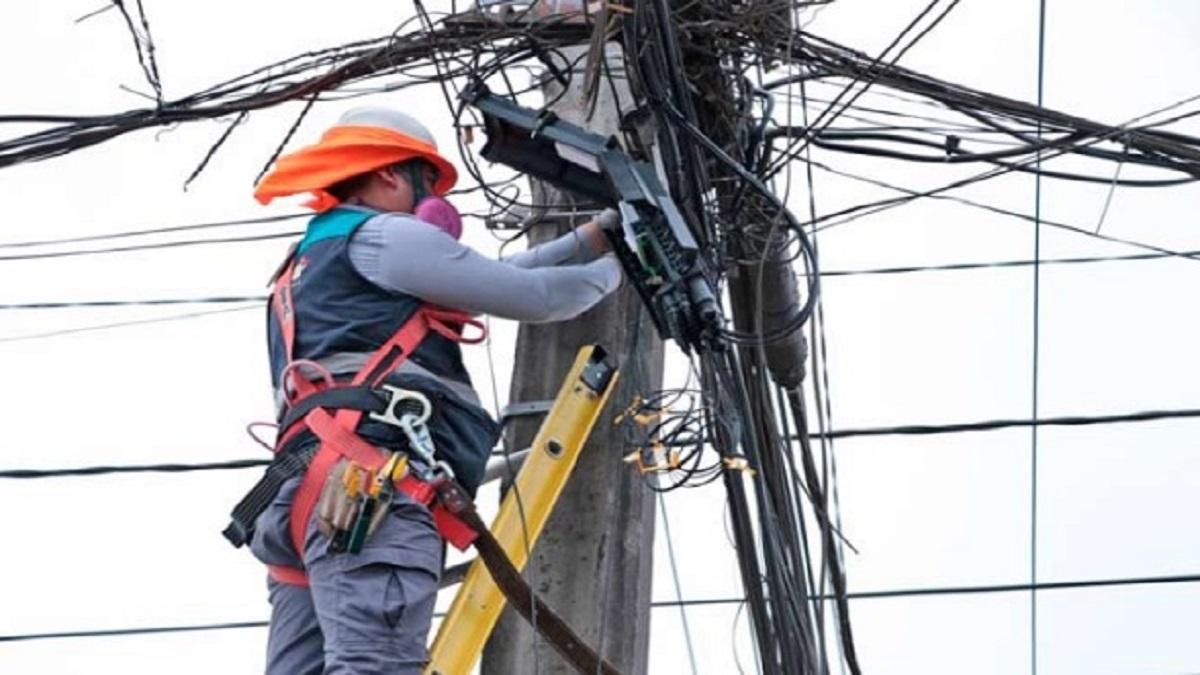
<point>439,212</point>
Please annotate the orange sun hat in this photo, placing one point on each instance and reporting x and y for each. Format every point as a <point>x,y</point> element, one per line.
<point>363,140</point>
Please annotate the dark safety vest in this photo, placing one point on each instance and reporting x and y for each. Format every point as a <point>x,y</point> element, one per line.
<point>338,311</point>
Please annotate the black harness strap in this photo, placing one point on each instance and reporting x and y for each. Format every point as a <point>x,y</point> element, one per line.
<point>362,398</point>
<point>285,466</point>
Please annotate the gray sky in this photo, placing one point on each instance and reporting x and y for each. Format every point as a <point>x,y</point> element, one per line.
<point>932,347</point>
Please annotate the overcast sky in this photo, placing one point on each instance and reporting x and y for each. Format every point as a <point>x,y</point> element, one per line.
<point>932,347</point>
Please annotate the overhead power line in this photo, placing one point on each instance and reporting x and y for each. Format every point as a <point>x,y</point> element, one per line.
<point>698,602</point>
<point>124,324</point>
<point>148,247</point>
<point>1019,588</point>
<point>977,590</point>
<point>145,302</point>
<point>999,264</point>
<point>134,468</point>
<point>907,430</point>
<point>875,271</point>
<point>992,425</point>
<point>119,632</point>
<point>158,230</point>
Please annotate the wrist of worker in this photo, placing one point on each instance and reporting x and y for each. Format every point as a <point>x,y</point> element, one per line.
<point>592,235</point>
<point>608,219</point>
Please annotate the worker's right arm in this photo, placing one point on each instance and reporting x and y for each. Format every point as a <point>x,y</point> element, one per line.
<point>404,254</point>
<point>582,244</point>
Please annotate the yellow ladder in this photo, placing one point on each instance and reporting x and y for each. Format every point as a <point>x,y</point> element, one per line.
<point>552,456</point>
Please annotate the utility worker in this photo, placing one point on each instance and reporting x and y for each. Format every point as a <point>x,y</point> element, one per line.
<point>383,246</point>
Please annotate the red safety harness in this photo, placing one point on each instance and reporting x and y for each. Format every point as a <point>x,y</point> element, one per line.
<point>336,431</point>
<point>452,508</point>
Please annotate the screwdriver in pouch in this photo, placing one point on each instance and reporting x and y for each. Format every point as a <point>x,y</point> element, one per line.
<point>347,507</point>
<point>374,500</point>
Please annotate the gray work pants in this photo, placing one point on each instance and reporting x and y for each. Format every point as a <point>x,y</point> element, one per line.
<point>363,614</point>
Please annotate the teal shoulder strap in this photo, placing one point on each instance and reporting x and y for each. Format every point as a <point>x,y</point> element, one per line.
<point>332,223</point>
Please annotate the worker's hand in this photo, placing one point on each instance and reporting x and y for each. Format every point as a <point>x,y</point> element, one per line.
<point>593,231</point>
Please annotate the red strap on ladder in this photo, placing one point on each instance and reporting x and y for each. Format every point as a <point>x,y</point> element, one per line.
<point>337,431</point>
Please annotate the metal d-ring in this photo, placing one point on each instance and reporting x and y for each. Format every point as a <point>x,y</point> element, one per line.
<point>397,413</point>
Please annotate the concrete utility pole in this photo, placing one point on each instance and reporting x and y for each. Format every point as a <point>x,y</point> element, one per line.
<point>593,560</point>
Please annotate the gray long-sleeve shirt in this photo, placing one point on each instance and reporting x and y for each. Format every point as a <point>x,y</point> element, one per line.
<point>557,280</point>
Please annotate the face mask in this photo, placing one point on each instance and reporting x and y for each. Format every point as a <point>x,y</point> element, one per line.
<point>441,213</point>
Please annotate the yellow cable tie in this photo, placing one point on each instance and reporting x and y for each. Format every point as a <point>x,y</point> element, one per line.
<point>630,411</point>
<point>673,459</point>
<point>645,419</point>
<point>739,464</point>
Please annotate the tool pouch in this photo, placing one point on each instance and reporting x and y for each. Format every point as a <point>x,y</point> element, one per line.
<point>354,501</point>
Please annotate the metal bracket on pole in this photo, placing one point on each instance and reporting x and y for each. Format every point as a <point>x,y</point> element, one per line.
<point>555,449</point>
<point>523,409</point>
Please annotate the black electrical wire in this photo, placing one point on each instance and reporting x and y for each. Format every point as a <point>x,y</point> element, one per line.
<point>782,623</point>
<point>133,468</point>
<point>1017,588</point>
<point>1182,151</point>
<point>158,230</point>
<point>783,556</point>
<point>975,590</point>
<point>957,156</point>
<point>805,310</point>
<point>858,211</point>
<point>123,324</point>
<point>149,247</point>
<point>829,518</point>
<point>684,162</point>
<point>145,302</point>
<point>726,432</point>
<point>908,195</point>
<point>123,632</point>
<point>296,78</point>
<point>940,126</point>
<point>1002,264</point>
<point>872,72</point>
<point>820,500</point>
<point>903,430</point>
<point>695,602</point>
<point>993,425</point>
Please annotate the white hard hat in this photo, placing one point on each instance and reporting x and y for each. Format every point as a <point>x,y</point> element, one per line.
<point>388,119</point>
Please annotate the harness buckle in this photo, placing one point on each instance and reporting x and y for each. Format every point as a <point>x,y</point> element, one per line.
<point>409,411</point>
<point>439,473</point>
